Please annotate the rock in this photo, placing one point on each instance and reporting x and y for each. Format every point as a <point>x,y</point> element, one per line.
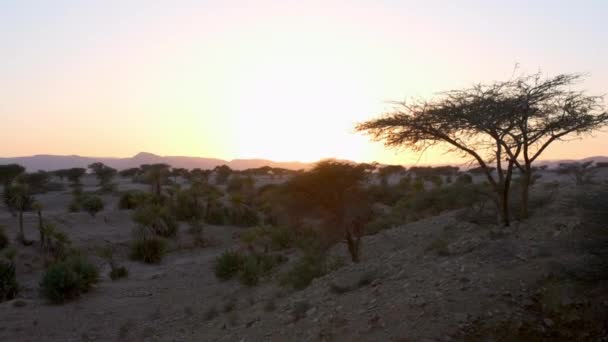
<point>548,322</point>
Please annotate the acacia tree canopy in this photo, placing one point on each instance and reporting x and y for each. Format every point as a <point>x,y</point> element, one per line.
<point>512,121</point>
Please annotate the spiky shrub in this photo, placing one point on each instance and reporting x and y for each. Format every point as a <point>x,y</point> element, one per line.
<point>68,279</point>
<point>92,204</point>
<point>3,238</point>
<point>132,199</point>
<point>150,250</point>
<point>228,264</point>
<point>158,218</point>
<point>8,280</point>
<point>55,244</point>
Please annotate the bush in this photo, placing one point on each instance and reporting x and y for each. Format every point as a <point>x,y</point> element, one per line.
<point>150,250</point>
<point>118,272</point>
<point>68,279</point>
<point>3,238</point>
<point>158,218</point>
<point>250,272</point>
<point>92,204</point>
<point>228,265</point>
<point>304,271</point>
<point>188,205</point>
<point>8,280</point>
<point>132,199</point>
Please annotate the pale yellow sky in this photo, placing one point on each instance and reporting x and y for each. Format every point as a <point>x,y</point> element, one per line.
<point>281,80</point>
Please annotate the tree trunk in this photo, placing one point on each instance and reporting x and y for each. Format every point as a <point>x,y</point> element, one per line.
<point>353,246</point>
<point>21,236</point>
<point>525,192</point>
<point>40,228</point>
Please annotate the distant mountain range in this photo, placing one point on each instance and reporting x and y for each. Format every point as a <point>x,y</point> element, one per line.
<point>56,162</point>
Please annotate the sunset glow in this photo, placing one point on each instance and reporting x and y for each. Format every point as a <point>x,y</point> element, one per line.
<point>282,80</point>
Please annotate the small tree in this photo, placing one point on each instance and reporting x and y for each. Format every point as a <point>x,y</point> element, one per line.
<point>74,175</point>
<point>156,175</point>
<point>336,190</point>
<point>9,172</point>
<point>385,172</point>
<point>129,173</point>
<point>18,197</point>
<point>103,173</point>
<point>222,173</point>
<point>581,173</point>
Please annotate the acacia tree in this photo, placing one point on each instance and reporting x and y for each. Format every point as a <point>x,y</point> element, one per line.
<point>9,172</point>
<point>336,190</point>
<point>581,173</point>
<point>103,173</point>
<point>156,175</point>
<point>510,122</point>
<point>385,172</point>
<point>74,175</point>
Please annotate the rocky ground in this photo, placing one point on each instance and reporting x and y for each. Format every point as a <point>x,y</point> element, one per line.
<point>443,278</point>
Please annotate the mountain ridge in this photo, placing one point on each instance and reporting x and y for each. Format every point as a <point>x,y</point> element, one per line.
<point>49,162</point>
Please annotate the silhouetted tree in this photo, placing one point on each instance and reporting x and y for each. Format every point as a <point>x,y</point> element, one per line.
<point>18,197</point>
<point>581,173</point>
<point>336,190</point>
<point>103,173</point>
<point>510,122</point>
<point>37,181</point>
<point>385,172</point>
<point>9,172</point>
<point>156,175</point>
<point>129,173</point>
<point>75,174</point>
<point>222,173</point>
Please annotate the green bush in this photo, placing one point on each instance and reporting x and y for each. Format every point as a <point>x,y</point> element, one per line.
<point>3,238</point>
<point>158,218</point>
<point>228,264</point>
<point>304,271</point>
<point>250,271</point>
<point>8,280</point>
<point>132,199</point>
<point>68,279</point>
<point>188,205</point>
<point>118,272</point>
<point>150,250</point>
<point>92,204</point>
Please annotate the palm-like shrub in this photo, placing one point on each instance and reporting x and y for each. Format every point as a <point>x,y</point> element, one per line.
<point>68,279</point>
<point>158,218</point>
<point>150,250</point>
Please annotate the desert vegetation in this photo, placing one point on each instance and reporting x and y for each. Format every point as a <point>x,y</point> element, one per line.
<point>340,244</point>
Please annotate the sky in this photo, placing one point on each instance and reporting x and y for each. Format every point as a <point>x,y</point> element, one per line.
<point>282,80</point>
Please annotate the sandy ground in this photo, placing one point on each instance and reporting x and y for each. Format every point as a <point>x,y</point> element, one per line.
<point>414,295</point>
